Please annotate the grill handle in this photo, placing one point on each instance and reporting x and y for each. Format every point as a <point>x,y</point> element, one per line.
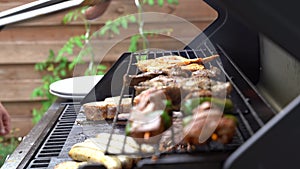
<point>40,7</point>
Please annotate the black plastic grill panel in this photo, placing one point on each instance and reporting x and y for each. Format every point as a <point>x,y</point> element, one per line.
<point>56,139</point>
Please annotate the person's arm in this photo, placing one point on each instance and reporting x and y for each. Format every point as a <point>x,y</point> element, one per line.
<point>4,121</point>
<point>97,10</point>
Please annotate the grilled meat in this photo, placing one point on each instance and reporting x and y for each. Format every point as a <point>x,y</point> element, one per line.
<point>149,117</point>
<point>193,67</point>
<point>211,72</point>
<point>208,123</point>
<point>167,62</point>
<point>133,80</point>
<point>186,85</point>
<point>178,72</point>
<point>106,109</point>
<point>226,129</point>
<point>198,94</point>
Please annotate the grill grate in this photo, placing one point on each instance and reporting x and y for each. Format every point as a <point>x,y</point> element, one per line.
<point>56,139</point>
<point>248,107</point>
<point>248,117</point>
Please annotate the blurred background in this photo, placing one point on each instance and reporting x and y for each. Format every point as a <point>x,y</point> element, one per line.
<point>38,52</point>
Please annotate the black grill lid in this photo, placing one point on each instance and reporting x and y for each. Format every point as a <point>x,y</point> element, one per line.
<point>277,19</point>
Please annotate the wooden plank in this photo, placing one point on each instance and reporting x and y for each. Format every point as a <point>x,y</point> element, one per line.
<point>30,53</point>
<point>57,33</point>
<point>18,90</point>
<point>21,108</point>
<point>19,71</point>
<point>21,126</point>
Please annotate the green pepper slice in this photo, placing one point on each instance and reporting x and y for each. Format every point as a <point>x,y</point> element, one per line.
<point>190,104</point>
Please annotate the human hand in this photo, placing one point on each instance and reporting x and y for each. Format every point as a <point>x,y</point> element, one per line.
<point>97,10</point>
<point>4,121</point>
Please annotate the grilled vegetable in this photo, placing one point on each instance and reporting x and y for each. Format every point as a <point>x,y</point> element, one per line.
<point>186,120</point>
<point>92,150</point>
<point>96,156</point>
<point>69,165</point>
<point>191,104</point>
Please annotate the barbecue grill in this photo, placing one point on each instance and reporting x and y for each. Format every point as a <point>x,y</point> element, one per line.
<point>262,66</point>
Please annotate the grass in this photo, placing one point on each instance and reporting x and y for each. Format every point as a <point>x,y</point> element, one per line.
<point>7,146</point>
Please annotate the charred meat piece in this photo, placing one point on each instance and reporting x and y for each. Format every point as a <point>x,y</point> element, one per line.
<point>167,62</point>
<point>198,94</point>
<point>212,72</point>
<point>150,116</point>
<point>226,129</point>
<point>208,123</point>
<point>186,85</point>
<point>158,82</point>
<point>177,71</point>
<point>136,79</point>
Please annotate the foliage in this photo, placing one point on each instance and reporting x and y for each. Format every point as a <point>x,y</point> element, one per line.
<point>7,146</point>
<point>159,2</point>
<point>59,66</point>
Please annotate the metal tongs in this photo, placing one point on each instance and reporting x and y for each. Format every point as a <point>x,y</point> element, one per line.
<point>38,8</point>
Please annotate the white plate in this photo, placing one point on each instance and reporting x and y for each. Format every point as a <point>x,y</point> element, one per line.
<point>76,86</point>
<point>67,96</point>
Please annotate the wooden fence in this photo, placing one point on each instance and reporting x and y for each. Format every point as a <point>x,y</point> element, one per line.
<point>25,44</point>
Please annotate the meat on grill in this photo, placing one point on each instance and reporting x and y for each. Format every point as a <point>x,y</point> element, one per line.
<point>186,86</point>
<point>176,71</point>
<point>133,80</point>
<point>106,109</point>
<point>211,72</point>
<point>167,62</point>
<point>208,123</point>
<point>149,117</point>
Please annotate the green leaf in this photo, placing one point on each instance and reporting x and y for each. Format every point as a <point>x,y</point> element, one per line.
<point>151,2</point>
<point>78,42</point>
<point>132,18</point>
<point>115,30</point>
<point>103,30</point>
<point>176,2</point>
<point>63,73</point>
<point>124,23</point>
<point>68,17</point>
<point>101,67</point>
<point>133,43</point>
<point>160,2</point>
<point>51,55</point>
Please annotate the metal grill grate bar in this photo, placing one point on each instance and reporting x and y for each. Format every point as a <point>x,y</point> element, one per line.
<point>39,163</point>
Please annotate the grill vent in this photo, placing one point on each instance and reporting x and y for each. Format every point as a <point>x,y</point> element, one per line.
<point>56,139</point>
